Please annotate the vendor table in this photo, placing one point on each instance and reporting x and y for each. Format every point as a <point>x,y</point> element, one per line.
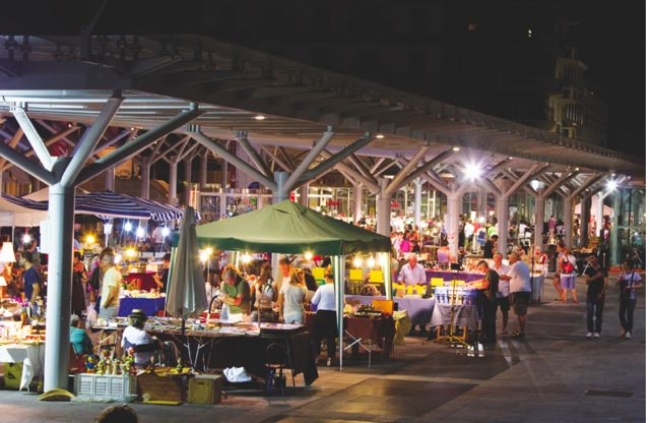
<point>418,309</point>
<point>243,345</point>
<point>17,353</point>
<point>151,306</point>
<point>465,316</point>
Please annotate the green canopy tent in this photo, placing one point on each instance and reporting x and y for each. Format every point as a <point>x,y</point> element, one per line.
<point>290,228</point>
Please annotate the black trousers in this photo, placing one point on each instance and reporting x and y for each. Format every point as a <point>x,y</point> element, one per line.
<point>326,326</point>
<point>487,309</point>
<point>595,308</point>
<point>626,313</point>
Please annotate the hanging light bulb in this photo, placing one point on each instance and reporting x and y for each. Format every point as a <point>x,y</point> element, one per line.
<point>128,226</point>
<point>371,262</point>
<point>357,262</point>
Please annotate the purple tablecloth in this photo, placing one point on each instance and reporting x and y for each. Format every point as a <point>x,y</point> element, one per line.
<point>451,275</point>
<point>149,305</point>
<point>419,309</point>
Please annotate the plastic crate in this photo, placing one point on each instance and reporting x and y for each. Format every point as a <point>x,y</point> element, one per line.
<point>103,387</point>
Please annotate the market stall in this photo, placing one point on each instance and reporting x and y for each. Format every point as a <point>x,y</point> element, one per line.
<point>290,228</point>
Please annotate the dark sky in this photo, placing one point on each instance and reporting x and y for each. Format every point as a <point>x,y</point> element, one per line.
<point>613,44</point>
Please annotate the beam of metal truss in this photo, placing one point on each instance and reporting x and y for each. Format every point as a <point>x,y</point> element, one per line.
<point>90,139</point>
<point>242,136</point>
<point>299,171</point>
<point>339,156</point>
<point>40,149</point>
<point>231,158</point>
<point>134,147</point>
<point>397,181</point>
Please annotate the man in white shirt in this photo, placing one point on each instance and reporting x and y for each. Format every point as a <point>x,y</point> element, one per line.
<point>413,274</point>
<point>503,300</point>
<point>519,278</point>
<point>111,285</point>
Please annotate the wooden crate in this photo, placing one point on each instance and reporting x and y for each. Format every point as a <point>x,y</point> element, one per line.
<point>205,389</point>
<point>161,388</point>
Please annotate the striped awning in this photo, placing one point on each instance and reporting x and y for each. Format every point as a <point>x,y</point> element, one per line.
<point>108,204</point>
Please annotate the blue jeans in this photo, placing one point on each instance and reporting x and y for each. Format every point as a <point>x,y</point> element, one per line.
<point>595,306</point>
<point>626,313</point>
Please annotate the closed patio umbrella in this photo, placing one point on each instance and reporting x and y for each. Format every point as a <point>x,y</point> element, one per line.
<point>186,288</point>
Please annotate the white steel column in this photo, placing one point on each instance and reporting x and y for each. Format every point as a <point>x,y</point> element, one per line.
<point>110,179</point>
<point>417,211</point>
<point>173,182</point>
<point>502,223</point>
<point>585,215</point>
<point>59,287</point>
<point>568,222</point>
<point>187,192</point>
<point>453,210</point>
<point>203,170</point>
<point>281,193</point>
<point>145,177</point>
<point>358,202</point>
<point>383,208</point>
<point>304,195</point>
<point>539,220</point>
<point>613,235</point>
<point>598,200</point>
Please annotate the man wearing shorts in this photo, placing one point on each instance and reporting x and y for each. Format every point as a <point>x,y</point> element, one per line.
<point>519,278</point>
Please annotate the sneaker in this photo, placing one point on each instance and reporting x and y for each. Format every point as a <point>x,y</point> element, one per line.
<point>628,335</point>
<point>589,334</point>
<point>329,361</point>
<point>596,335</point>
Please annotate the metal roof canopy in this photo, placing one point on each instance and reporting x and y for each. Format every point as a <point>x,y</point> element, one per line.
<point>233,85</point>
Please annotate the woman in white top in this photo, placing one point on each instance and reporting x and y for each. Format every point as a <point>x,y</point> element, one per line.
<point>628,282</point>
<point>291,301</point>
<point>325,324</point>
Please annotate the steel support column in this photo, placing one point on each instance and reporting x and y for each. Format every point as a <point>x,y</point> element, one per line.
<point>539,220</point>
<point>598,199</point>
<point>613,235</point>
<point>502,223</point>
<point>417,210</point>
<point>585,215</point>
<point>358,202</point>
<point>145,178</point>
<point>173,182</point>
<point>203,170</point>
<point>59,287</point>
<point>280,193</point>
<point>109,178</point>
<point>453,211</point>
<point>568,222</point>
<point>383,208</point>
<point>304,195</point>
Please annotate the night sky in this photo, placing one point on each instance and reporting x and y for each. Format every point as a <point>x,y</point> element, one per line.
<point>613,45</point>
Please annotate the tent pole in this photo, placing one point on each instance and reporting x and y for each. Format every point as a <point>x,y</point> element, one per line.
<point>388,277</point>
<point>339,280</point>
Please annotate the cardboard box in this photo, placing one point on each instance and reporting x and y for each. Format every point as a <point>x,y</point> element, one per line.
<point>13,374</point>
<point>205,389</point>
<point>105,387</point>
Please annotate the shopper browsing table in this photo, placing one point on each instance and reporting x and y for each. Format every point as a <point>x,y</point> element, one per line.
<point>519,278</point>
<point>503,294</point>
<point>486,303</point>
<point>413,274</point>
<point>325,323</point>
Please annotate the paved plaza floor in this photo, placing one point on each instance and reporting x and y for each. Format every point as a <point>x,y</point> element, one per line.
<point>555,375</point>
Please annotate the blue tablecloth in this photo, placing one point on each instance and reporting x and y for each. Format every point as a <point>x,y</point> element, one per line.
<point>149,305</point>
<point>419,309</point>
